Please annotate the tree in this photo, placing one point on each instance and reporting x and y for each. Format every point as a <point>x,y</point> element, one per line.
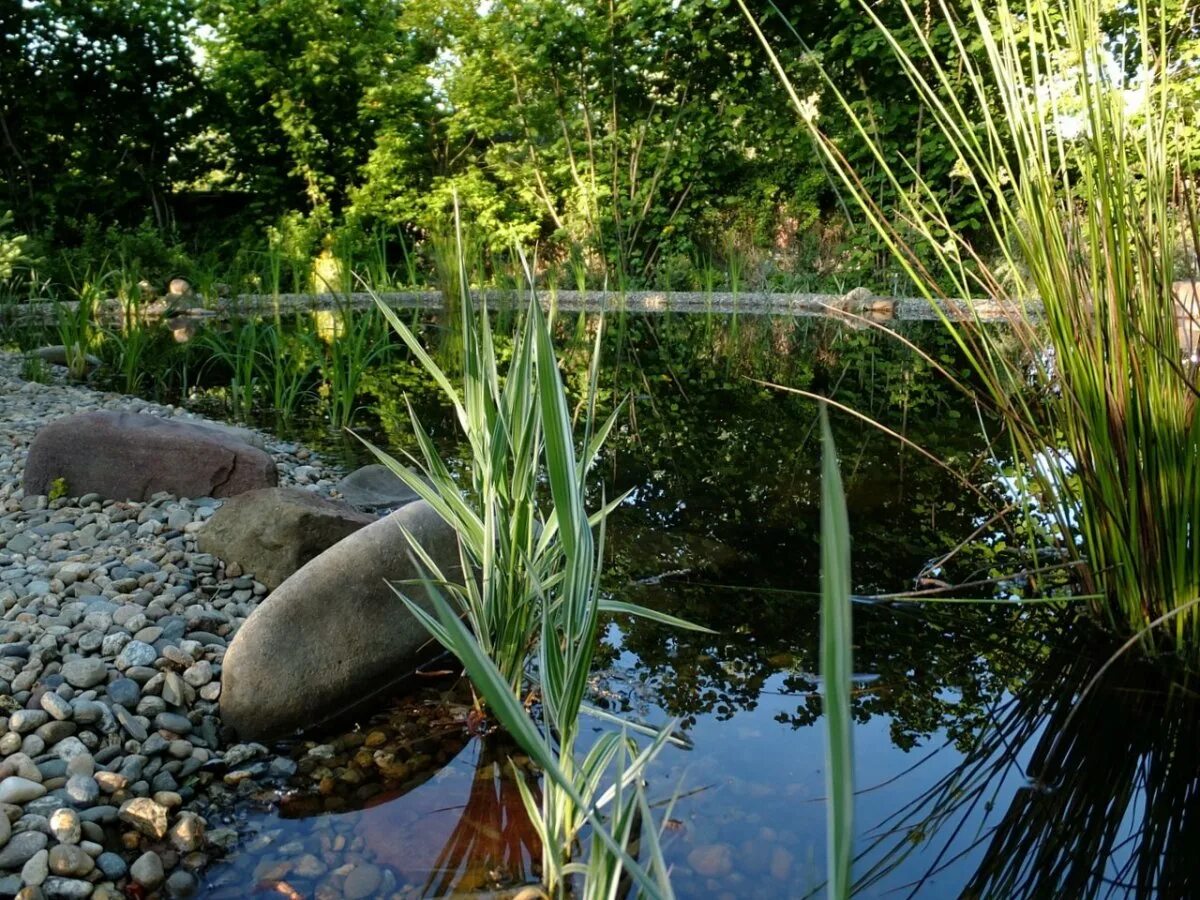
<point>96,98</point>
<point>303,89</point>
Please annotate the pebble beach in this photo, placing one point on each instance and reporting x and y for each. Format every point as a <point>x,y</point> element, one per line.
<point>113,759</point>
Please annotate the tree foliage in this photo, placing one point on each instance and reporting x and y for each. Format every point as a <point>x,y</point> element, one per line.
<point>97,103</point>
<point>303,91</point>
<point>644,133</point>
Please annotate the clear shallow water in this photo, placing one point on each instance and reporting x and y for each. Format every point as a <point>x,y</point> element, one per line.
<point>965,786</point>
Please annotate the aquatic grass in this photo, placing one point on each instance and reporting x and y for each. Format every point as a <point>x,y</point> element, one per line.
<point>360,339</point>
<point>76,326</point>
<point>237,349</point>
<point>517,550</point>
<point>837,670</point>
<point>565,600</point>
<point>533,595</point>
<point>287,363</point>
<point>35,369</point>
<point>629,822</point>
<point>1102,411</point>
<point>551,587</point>
<point>374,270</point>
<point>577,265</point>
<point>572,793</point>
<point>497,524</point>
<point>132,342</point>
<point>273,256</point>
<point>410,262</point>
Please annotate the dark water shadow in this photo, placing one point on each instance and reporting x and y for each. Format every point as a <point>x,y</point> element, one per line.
<point>1109,797</point>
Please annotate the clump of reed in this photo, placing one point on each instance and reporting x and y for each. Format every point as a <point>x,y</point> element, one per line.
<point>76,326</point>
<point>270,366</point>
<point>1076,167</point>
<point>535,601</point>
<point>354,342</point>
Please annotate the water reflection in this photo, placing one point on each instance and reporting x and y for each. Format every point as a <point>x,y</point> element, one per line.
<point>952,707</point>
<point>484,841</point>
<point>1086,784</point>
<point>411,805</point>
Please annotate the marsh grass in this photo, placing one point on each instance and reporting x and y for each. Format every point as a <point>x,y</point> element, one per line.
<point>1101,412</point>
<point>360,340</point>
<point>518,429</point>
<point>236,349</point>
<point>288,363</point>
<point>76,326</point>
<point>535,550</point>
<point>132,343</point>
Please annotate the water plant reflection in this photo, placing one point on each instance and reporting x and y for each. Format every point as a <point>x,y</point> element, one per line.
<point>451,828</point>
<point>494,833</point>
<point>1108,785</point>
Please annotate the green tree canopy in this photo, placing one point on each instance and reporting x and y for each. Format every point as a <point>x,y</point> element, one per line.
<point>304,90</point>
<point>96,99</point>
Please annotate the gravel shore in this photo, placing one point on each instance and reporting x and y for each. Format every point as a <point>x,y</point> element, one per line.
<point>112,753</point>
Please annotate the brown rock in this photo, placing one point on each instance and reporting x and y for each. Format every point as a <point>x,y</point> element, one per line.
<point>130,456</point>
<point>712,860</point>
<point>274,531</point>
<point>781,864</point>
<point>146,816</point>
<point>187,834</point>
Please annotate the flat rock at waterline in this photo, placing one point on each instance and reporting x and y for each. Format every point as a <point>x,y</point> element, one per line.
<point>334,633</point>
<point>272,532</point>
<point>375,487</point>
<point>131,456</point>
<point>58,355</point>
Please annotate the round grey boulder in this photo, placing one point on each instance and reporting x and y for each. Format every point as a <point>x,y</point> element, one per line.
<point>375,487</point>
<point>334,633</point>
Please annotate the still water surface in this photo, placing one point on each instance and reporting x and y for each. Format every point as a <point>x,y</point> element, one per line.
<point>973,776</point>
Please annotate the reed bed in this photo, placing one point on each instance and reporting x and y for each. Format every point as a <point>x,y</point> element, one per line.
<point>1085,196</point>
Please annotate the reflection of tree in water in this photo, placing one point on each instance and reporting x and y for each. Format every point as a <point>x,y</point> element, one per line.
<point>720,456</point>
<point>1109,796</point>
<point>925,668</point>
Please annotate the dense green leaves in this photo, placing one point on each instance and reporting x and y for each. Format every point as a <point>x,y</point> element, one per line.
<point>301,92</point>
<point>641,140</point>
<point>97,109</point>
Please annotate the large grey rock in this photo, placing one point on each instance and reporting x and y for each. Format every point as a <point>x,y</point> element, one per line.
<point>274,531</point>
<point>234,432</point>
<point>334,633</point>
<point>130,456</point>
<point>375,487</point>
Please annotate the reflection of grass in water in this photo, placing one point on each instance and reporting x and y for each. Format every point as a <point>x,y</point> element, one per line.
<point>1107,796</point>
<point>494,834</point>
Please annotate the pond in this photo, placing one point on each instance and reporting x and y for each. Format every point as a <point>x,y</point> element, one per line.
<point>991,758</point>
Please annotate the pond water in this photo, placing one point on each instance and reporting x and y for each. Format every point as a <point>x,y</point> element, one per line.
<point>980,771</point>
